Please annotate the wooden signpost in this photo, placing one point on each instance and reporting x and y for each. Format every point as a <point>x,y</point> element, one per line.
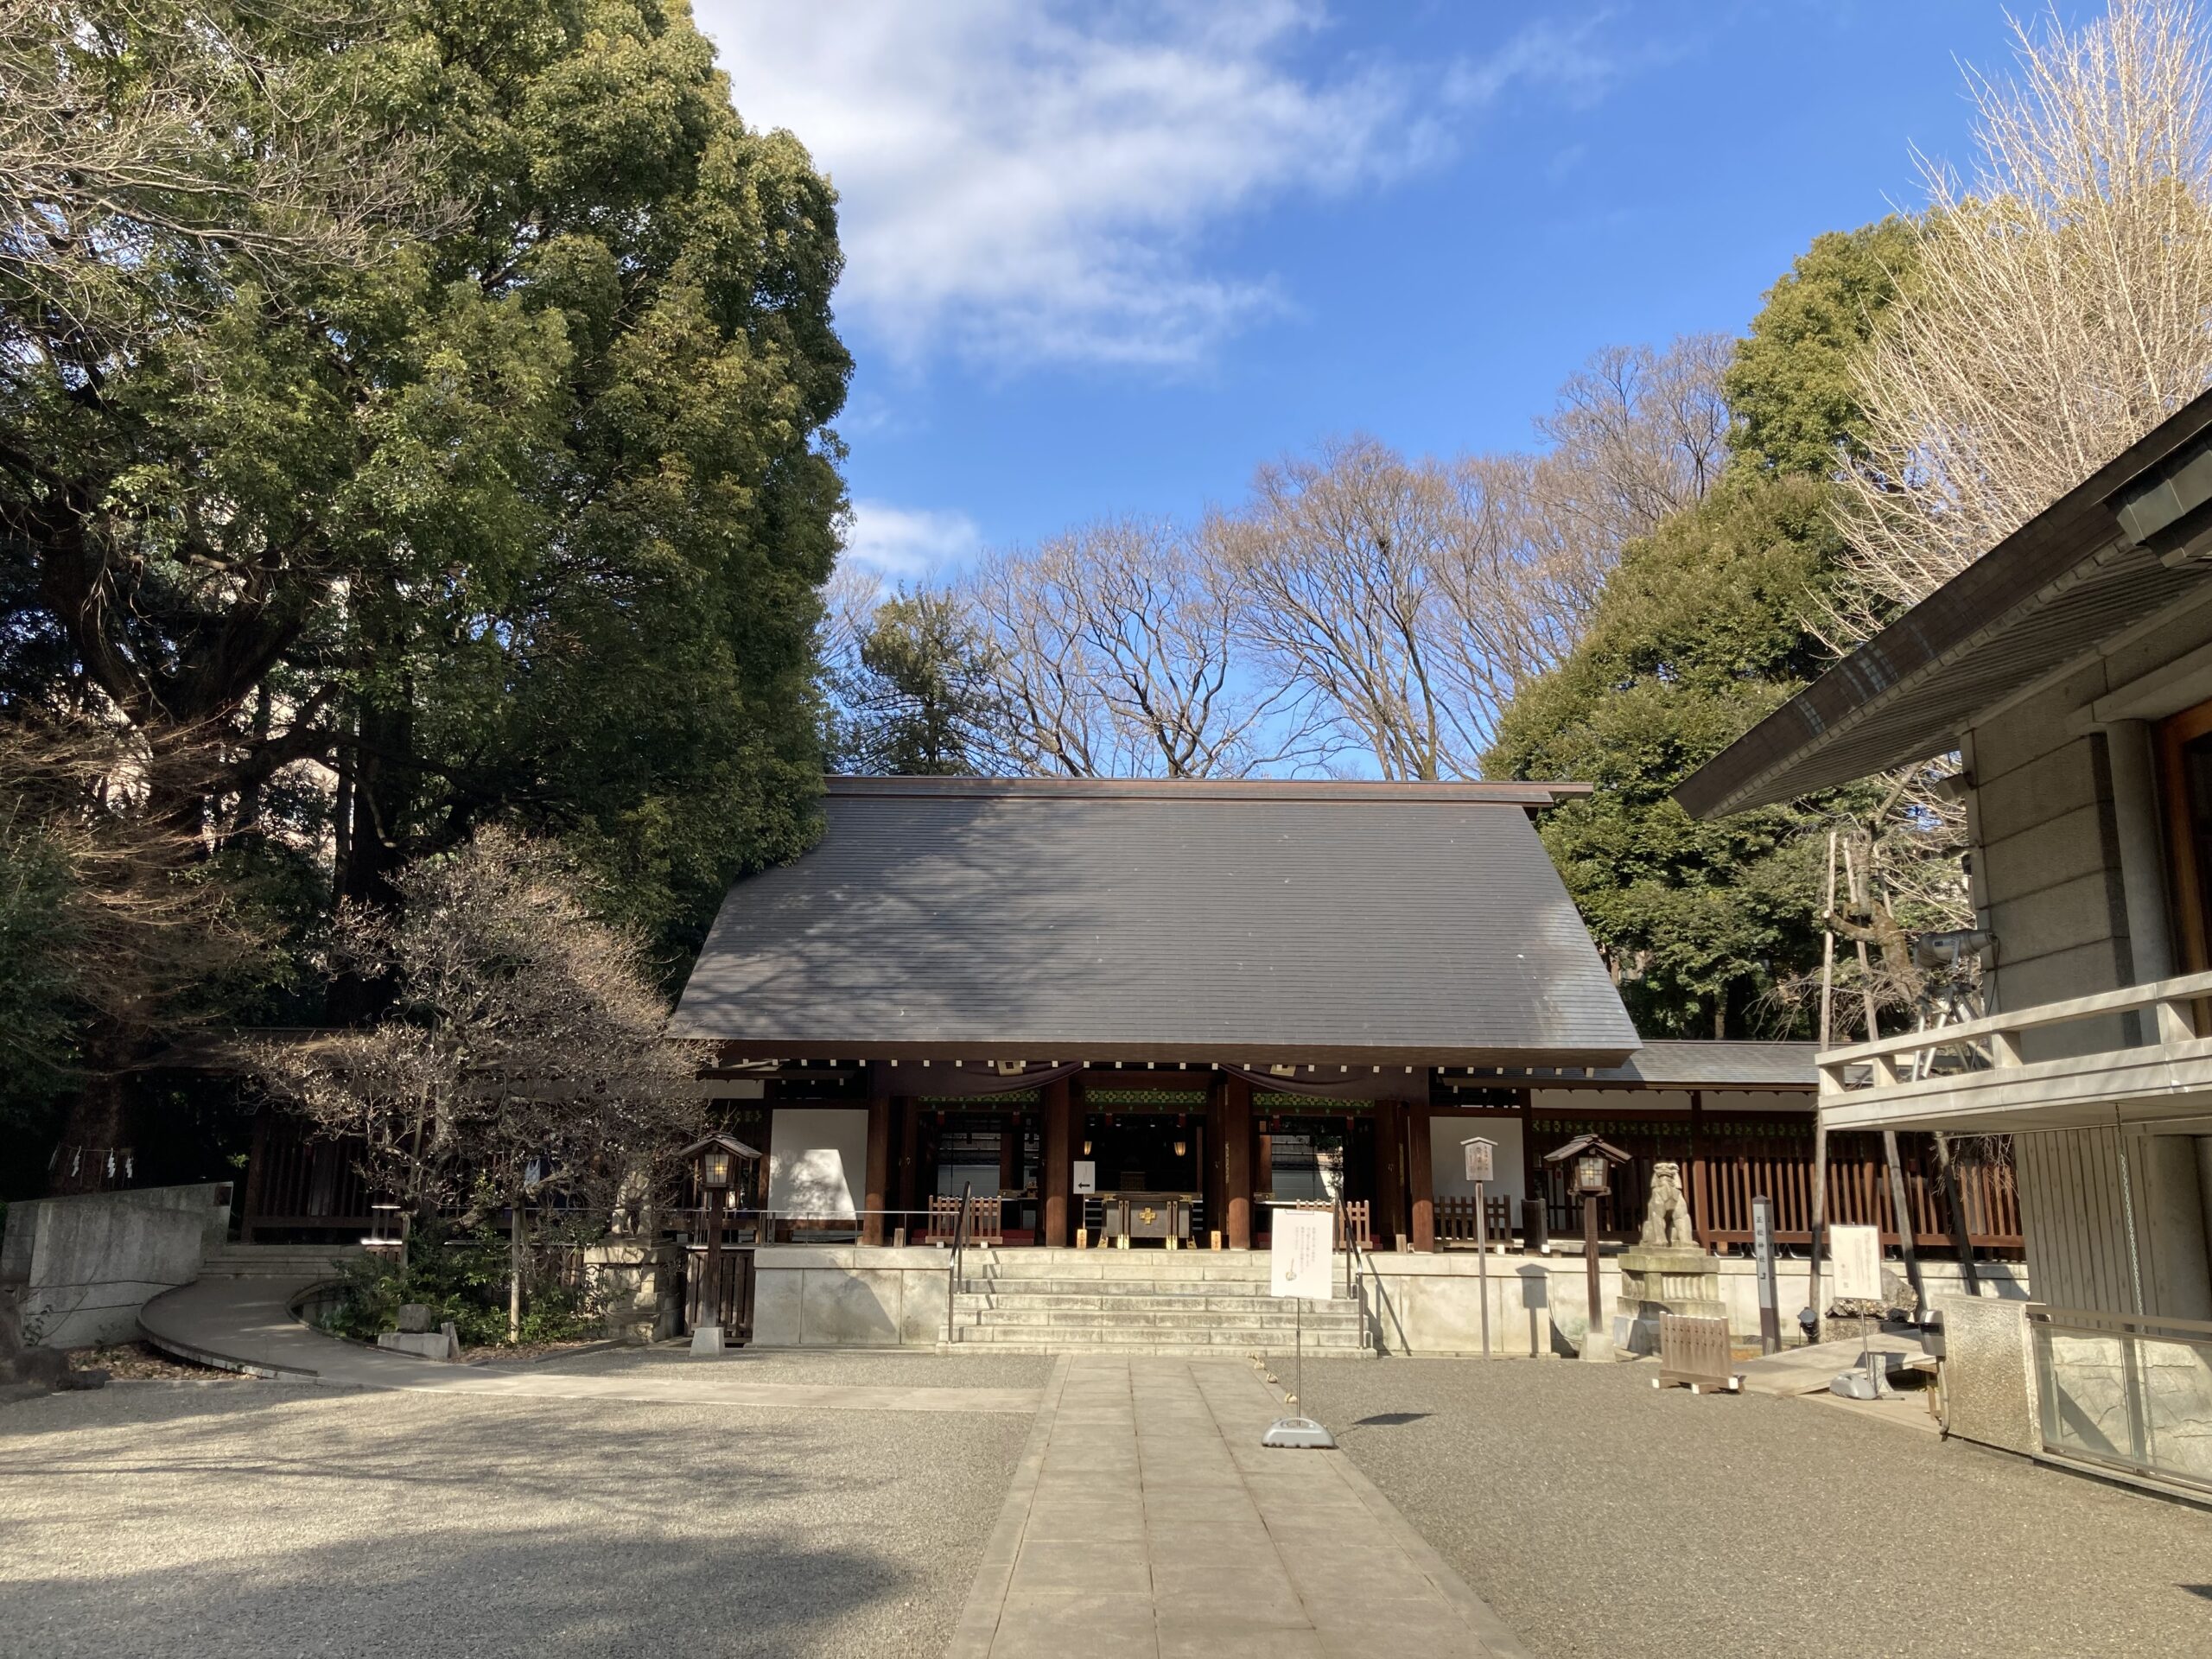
<point>1480,1158</point>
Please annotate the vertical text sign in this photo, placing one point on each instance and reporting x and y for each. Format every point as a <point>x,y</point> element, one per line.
<point>1298,1261</point>
<point>1479,1158</point>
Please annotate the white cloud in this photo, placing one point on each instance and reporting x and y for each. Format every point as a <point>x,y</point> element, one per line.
<point>909,544</point>
<point>1025,181</point>
<point>1566,58</point>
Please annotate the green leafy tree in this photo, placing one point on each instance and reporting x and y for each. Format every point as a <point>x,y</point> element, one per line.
<point>918,695</point>
<point>503,490</point>
<point>1791,388</point>
<point>1702,630</point>
<point>1705,626</point>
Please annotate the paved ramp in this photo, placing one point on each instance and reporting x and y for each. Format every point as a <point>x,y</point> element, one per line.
<point>246,1325</point>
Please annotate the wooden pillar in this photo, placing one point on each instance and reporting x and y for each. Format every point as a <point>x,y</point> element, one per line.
<point>257,1174</point>
<point>1010,1153</point>
<point>1057,1154</point>
<point>1700,1187</point>
<point>1236,1160</point>
<point>1419,1176</point>
<point>910,1134</point>
<point>1389,1170</point>
<point>879,1172</point>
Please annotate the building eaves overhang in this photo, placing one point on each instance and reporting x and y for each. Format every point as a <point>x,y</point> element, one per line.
<point>2113,551</point>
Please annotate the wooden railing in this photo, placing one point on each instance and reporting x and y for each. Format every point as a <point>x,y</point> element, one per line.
<point>1455,1219</point>
<point>2161,1011</point>
<point>985,1223</point>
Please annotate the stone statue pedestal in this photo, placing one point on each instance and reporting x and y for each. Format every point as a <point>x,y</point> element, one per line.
<point>1662,1279</point>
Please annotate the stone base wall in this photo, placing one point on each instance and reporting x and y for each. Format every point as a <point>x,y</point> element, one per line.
<point>855,1295</point>
<point>85,1265</point>
<point>1539,1304</point>
<point>849,1296</point>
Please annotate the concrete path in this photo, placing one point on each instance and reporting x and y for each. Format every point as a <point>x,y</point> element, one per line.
<point>1809,1370</point>
<point>247,1324</point>
<point>1145,1519</point>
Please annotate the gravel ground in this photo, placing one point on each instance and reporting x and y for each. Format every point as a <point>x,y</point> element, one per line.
<point>1601,1517</point>
<point>856,1368</point>
<point>184,1520</point>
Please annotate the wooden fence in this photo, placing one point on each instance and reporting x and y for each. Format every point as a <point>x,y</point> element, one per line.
<point>296,1184</point>
<point>1730,1163</point>
<point>1455,1220</point>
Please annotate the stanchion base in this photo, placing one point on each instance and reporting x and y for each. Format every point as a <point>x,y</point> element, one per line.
<point>708,1339</point>
<point>1298,1432</point>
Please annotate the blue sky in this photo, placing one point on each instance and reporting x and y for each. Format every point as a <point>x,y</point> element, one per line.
<point>1108,257</point>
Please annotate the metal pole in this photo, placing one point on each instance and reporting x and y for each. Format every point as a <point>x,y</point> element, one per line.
<point>1819,1124</point>
<point>1762,1247</point>
<point>1589,1267</point>
<point>1298,1348</point>
<point>1482,1258</point>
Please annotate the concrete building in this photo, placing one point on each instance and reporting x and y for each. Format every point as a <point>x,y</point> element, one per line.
<point>2069,669</point>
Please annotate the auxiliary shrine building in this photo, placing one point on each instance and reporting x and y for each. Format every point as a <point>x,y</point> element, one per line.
<point>1144,1012</point>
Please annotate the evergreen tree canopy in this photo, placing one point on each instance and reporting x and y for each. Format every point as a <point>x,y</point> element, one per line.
<point>917,697</point>
<point>1702,632</point>
<point>1790,387</point>
<point>520,510</point>
<point>1705,628</point>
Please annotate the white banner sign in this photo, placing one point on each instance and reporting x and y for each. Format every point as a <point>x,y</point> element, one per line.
<point>1301,1261</point>
<point>1858,1253</point>
<point>1086,1175</point>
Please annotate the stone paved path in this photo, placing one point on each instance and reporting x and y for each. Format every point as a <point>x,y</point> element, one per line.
<point>1147,1519</point>
<point>247,1323</point>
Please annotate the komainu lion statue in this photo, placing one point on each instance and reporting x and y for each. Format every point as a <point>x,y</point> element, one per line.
<point>1667,1217</point>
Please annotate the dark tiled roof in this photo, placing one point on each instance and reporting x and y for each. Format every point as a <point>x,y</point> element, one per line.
<point>2042,598</point>
<point>1383,924</point>
<point>1675,1063</point>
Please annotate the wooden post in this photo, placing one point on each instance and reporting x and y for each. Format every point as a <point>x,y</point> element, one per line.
<point>1236,1160</point>
<point>1390,1168</point>
<point>878,1180</point>
<point>1532,1172</point>
<point>1902,1209</point>
<point>256,1174</point>
<point>907,1186</point>
<point>1700,1189</point>
<point>1419,1152</point>
<point>1590,1272</point>
<point>1010,1152</point>
<point>1058,1154</point>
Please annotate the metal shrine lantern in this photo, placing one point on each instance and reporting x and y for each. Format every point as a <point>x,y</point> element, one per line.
<point>1589,1166</point>
<point>716,1162</point>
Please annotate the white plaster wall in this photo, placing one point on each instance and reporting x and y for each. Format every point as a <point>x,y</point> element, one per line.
<point>1447,1160</point>
<point>817,1158</point>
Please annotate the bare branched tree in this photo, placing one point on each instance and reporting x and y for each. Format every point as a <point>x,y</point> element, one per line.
<point>523,1056</point>
<point>134,941</point>
<point>1637,434</point>
<point>2061,304</point>
<point>1116,650</point>
<point>146,143</point>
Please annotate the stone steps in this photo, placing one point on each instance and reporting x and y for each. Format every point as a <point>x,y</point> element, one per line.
<point>1087,1320</point>
<point>1187,1302</point>
<point>1214,1344</point>
<point>1139,1303</point>
<point>278,1261</point>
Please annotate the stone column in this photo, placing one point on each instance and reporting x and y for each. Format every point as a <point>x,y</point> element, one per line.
<point>1058,1154</point>
<point>1419,1152</point>
<point>1236,1160</point>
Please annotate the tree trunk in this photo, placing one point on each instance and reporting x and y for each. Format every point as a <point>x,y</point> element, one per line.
<point>516,1256</point>
<point>97,1151</point>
